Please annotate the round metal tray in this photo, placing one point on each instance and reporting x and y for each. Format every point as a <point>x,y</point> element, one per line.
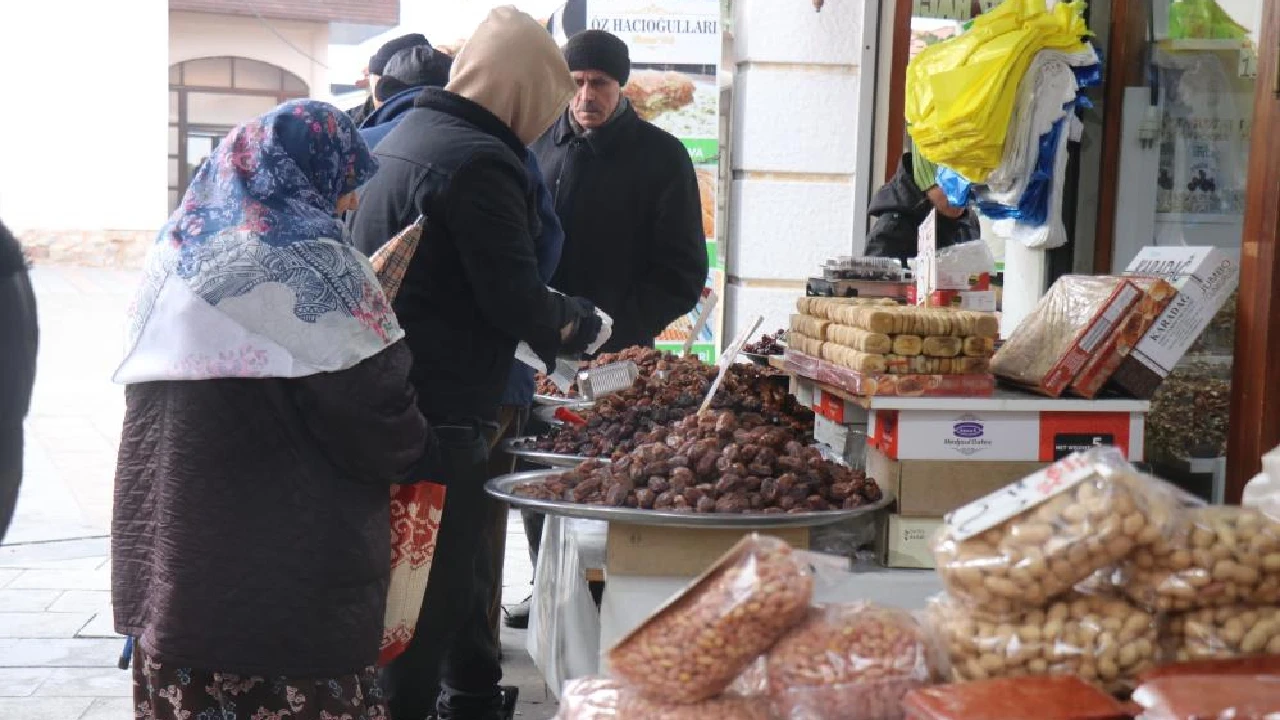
<point>547,413</point>
<point>759,359</point>
<point>514,446</point>
<point>501,488</point>
<point>555,400</point>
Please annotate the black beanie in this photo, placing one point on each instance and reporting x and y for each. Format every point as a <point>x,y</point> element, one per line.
<point>599,50</point>
<point>378,61</point>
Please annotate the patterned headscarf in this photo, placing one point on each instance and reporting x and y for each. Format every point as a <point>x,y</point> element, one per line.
<point>253,275</point>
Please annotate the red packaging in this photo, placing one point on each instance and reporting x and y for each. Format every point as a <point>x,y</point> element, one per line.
<point>1050,697</point>
<point>1205,697</point>
<point>1098,369</point>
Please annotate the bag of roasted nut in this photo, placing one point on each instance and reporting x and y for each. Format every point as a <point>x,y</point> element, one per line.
<point>1226,632</point>
<point>1024,545</point>
<point>693,647</point>
<point>1228,556</point>
<point>850,662</point>
<point>1103,640</point>
<point>597,698</point>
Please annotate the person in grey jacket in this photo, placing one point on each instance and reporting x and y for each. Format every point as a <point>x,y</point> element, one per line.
<point>18,341</point>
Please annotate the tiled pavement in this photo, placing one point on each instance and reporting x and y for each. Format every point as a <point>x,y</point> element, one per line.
<point>58,650</point>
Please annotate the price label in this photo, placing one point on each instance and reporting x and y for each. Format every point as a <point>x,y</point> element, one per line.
<point>1013,500</point>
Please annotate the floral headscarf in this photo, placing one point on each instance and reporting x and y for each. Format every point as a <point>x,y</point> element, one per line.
<point>254,275</point>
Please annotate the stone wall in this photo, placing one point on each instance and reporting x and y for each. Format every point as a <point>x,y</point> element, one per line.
<point>120,249</point>
<point>801,105</point>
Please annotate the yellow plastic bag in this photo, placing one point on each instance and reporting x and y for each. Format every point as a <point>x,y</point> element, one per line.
<point>961,92</point>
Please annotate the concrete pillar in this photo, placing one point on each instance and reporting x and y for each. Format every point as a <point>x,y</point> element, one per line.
<point>801,149</point>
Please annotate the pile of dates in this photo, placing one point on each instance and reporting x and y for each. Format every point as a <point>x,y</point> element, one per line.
<point>618,423</point>
<point>645,358</point>
<point>718,462</point>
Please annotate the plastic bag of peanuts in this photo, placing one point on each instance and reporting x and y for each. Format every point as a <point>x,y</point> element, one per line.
<point>1225,632</point>
<point>1229,556</point>
<point>850,662</point>
<point>1103,640</point>
<point>1030,542</point>
<point>693,647</point>
<point>597,698</point>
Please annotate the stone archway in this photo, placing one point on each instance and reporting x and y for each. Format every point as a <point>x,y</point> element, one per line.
<point>209,96</point>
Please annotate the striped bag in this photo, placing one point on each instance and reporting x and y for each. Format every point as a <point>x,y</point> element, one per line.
<point>415,509</point>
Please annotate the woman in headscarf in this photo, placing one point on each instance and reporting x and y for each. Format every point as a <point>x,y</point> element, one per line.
<point>268,412</point>
<point>18,340</point>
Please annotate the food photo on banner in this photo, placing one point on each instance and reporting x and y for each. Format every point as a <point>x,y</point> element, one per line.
<point>675,48</point>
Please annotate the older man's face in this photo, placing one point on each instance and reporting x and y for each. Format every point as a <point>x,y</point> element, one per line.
<point>598,96</point>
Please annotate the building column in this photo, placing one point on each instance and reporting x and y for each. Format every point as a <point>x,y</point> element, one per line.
<point>801,148</point>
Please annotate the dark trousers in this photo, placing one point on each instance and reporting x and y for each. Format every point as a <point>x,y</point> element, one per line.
<point>452,664</point>
<point>10,472</point>
<point>511,422</point>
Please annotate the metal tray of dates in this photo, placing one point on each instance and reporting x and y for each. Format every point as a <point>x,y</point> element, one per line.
<point>555,400</point>
<point>503,488</point>
<point>522,447</point>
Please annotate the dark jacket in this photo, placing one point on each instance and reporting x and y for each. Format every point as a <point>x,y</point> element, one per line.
<point>472,290</point>
<point>361,112</point>
<point>250,528</point>
<point>899,207</point>
<point>628,199</point>
<point>548,241</point>
<point>383,120</point>
<point>18,341</point>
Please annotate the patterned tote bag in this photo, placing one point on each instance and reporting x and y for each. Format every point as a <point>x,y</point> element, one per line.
<point>415,509</point>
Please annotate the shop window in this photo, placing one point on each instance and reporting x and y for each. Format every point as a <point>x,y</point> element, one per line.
<point>210,96</point>
<point>1184,137</point>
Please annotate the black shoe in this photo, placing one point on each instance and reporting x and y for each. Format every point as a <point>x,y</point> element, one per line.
<point>517,616</point>
<point>510,694</point>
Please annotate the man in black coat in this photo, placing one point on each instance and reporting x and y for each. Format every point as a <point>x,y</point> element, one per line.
<point>377,65</point>
<point>18,339</point>
<point>628,199</point>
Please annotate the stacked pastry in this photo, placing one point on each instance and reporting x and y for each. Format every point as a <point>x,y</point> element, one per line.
<point>879,336</point>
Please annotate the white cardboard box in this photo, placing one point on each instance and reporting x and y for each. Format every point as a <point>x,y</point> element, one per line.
<point>1204,277</point>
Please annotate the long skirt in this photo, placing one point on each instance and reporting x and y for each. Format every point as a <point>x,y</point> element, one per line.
<point>161,692</point>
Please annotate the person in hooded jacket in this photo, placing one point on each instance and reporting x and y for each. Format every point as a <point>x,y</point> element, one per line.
<point>900,206</point>
<point>406,73</point>
<point>471,293</point>
<point>18,341</point>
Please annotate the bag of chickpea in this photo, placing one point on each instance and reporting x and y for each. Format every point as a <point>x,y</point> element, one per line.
<point>1229,556</point>
<point>1103,640</point>
<point>597,698</point>
<point>850,662</point>
<point>1020,547</point>
<point>1226,632</point>
<point>693,647</point>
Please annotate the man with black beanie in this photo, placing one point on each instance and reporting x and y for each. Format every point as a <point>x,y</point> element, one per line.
<point>18,338</point>
<point>627,196</point>
<point>377,65</point>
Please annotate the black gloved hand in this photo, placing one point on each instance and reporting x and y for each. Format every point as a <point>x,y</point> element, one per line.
<point>585,330</point>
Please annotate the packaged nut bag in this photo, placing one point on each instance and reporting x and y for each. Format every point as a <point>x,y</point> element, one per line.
<point>1102,640</point>
<point>1229,556</point>
<point>597,698</point>
<point>850,662</point>
<point>1024,545</point>
<point>693,647</point>
<point>1226,632</point>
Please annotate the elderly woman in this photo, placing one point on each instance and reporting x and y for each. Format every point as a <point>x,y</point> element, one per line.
<point>268,412</point>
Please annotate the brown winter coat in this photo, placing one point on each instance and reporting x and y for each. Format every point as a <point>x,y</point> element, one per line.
<point>251,527</point>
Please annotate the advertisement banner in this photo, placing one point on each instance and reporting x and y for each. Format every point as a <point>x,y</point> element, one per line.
<point>675,48</point>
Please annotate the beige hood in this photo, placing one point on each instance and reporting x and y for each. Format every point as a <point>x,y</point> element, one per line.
<point>512,68</point>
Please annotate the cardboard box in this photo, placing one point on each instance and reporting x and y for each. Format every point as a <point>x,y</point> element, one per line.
<point>1097,370</point>
<point>906,542</point>
<point>1023,436</point>
<point>933,488</point>
<point>655,551</point>
<point>977,300</point>
<point>1204,278</point>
